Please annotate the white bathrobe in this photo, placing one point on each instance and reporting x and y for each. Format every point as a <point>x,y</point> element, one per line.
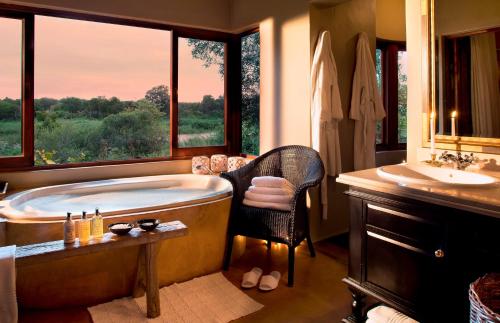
<point>326,111</point>
<point>366,106</point>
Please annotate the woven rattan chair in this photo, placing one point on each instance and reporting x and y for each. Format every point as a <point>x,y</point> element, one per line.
<point>303,167</point>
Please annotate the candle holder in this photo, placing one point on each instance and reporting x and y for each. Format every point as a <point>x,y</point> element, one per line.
<point>235,163</point>
<point>200,165</point>
<point>218,163</point>
<point>433,161</point>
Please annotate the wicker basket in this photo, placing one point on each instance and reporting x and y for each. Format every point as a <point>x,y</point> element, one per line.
<point>484,296</point>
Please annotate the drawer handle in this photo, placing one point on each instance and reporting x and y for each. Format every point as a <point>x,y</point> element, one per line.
<point>439,253</point>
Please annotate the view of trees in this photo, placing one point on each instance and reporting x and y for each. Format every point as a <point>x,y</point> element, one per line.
<point>73,129</point>
<point>402,95</point>
<point>213,53</point>
<point>78,130</point>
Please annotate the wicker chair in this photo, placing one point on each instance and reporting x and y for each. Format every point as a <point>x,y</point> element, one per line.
<point>303,167</point>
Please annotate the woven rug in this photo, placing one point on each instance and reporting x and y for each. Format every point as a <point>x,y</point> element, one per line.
<point>210,298</point>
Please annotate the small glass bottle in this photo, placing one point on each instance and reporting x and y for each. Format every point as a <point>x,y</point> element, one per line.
<point>69,229</point>
<point>97,230</point>
<point>84,228</point>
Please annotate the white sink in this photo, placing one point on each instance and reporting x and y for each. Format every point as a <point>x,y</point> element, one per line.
<point>433,176</point>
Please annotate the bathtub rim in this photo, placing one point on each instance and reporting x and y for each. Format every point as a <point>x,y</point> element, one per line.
<point>227,192</point>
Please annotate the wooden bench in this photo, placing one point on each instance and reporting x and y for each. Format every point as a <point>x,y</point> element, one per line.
<point>147,273</point>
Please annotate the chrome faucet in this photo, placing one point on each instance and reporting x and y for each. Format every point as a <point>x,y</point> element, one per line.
<point>461,161</point>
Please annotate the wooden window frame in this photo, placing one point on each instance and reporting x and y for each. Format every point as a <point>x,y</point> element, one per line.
<point>390,87</point>
<point>232,87</point>
<point>27,110</point>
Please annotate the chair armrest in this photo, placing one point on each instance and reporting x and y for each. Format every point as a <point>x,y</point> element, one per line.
<point>312,179</point>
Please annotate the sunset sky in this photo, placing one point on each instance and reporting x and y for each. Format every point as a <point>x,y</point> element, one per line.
<point>87,59</point>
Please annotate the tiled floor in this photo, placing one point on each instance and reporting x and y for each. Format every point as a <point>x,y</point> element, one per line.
<point>318,294</point>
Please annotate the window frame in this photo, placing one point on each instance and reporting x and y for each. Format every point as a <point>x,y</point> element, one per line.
<point>27,92</point>
<point>232,85</point>
<point>390,87</point>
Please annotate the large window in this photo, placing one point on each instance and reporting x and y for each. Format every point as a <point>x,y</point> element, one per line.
<point>78,89</point>
<point>100,92</point>
<point>391,63</point>
<point>250,92</point>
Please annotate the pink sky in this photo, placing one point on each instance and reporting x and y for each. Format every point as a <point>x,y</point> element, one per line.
<point>86,59</point>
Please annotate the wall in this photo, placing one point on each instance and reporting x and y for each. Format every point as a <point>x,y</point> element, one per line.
<point>344,21</point>
<point>285,63</point>
<point>391,22</point>
<point>416,101</point>
<point>456,16</point>
<point>210,14</point>
<point>417,84</point>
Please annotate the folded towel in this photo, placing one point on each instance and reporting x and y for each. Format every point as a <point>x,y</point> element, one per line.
<point>268,205</point>
<point>384,314</point>
<point>271,181</point>
<point>284,199</point>
<point>8,301</point>
<point>271,190</point>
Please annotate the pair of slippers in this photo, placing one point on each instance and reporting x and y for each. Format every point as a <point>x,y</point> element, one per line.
<point>267,283</point>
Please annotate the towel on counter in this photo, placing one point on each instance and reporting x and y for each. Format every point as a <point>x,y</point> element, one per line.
<point>271,181</point>
<point>268,205</point>
<point>8,301</point>
<point>384,314</point>
<point>271,190</point>
<point>280,199</point>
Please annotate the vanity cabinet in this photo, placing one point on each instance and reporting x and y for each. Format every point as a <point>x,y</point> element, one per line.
<point>417,257</point>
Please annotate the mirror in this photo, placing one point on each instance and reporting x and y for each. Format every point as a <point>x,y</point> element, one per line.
<point>466,69</point>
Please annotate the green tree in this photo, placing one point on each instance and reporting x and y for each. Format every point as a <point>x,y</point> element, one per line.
<point>10,109</point>
<point>160,97</point>
<point>44,104</point>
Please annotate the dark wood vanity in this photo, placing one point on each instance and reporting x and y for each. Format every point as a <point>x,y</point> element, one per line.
<point>415,256</point>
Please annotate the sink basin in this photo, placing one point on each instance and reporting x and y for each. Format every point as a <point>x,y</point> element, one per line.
<point>433,176</point>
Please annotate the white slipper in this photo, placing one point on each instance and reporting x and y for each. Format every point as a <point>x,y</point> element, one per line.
<point>251,278</point>
<point>270,282</point>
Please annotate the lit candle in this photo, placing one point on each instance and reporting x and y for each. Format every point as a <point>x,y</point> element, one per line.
<point>433,132</point>
<point>453,119</point>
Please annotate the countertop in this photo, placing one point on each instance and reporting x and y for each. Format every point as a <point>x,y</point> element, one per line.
<point>480,200</point>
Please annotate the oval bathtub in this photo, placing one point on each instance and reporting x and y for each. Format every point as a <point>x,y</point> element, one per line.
<point>37,215</point>
<point>113,196</point>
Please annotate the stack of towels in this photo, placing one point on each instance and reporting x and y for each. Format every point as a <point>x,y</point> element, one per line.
<point>384,314</point>
<point>270,192</point>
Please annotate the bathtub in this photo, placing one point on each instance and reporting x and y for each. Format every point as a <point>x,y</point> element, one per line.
<point>113,197</point>
<point>37,215</point>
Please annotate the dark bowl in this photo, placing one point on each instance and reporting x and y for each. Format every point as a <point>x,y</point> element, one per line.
<point>120,231</point>
<point>148,224</point>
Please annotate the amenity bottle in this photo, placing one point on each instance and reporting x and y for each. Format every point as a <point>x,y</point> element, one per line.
<point>84,228</point>
<point>69,229</point>
<point>97,231</point>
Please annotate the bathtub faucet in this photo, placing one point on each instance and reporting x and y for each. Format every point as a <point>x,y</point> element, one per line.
<point>199,167</point>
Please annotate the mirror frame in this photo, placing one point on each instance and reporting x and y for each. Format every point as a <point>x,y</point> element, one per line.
<point>446,142</point>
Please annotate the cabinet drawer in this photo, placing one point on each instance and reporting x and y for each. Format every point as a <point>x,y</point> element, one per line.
<point>415,229</point>
<point>402,270</point>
